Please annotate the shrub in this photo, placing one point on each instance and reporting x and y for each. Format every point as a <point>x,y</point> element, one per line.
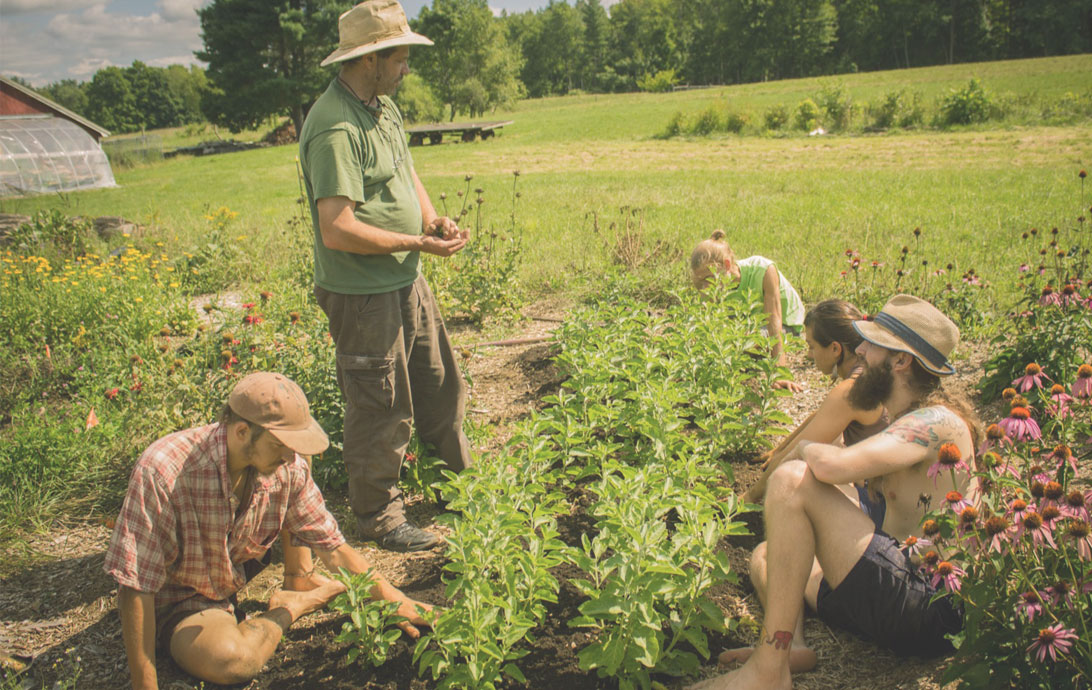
<point>966,106</point>
<point>807,115</point>
<point>707,122</point>
<point>900,108</point>
<point>776,117</point>
<point>659,82</point>
<point>837,107</point>
<point>675,126</point>
<point>735,122</point>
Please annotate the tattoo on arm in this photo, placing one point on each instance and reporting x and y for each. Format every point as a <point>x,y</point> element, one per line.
<point>782,639</point>
<point>918,427</point>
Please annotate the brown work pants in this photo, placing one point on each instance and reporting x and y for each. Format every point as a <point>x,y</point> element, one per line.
<point>395,366</point>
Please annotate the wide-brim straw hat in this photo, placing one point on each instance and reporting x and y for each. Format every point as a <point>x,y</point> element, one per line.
<point>912,325</point>
<point>372,26</point>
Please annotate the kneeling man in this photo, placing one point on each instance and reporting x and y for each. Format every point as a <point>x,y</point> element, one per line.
<point>863,581</point>
<point>202,510</point>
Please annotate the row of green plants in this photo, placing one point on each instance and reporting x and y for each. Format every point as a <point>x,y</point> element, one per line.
<point>833,109</point>
<point>637,441</point>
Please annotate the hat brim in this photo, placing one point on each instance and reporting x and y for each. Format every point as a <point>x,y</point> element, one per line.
<point>309,441</point>
<point>878,335</point>
<point>407,39</point>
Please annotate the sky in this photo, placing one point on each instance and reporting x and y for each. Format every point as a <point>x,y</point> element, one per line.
<point>44,41</point>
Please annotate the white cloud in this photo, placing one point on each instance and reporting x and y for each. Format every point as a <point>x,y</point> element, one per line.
<point>186,60</point>
<point>185,10</point>
<point>27,6</point>
<point>97,26</point>
<point>86,68</point>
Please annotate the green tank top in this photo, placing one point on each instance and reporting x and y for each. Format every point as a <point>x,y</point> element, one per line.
<point>752,271</point>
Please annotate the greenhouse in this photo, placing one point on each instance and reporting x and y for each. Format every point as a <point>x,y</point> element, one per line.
<point>43,154</point>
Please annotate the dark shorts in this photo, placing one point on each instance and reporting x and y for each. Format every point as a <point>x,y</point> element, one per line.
<point>169,618</point>
<point>884,600</point>
<point>876,510</point>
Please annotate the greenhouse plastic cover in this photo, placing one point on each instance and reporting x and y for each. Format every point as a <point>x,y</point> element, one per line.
<point>49,154</point>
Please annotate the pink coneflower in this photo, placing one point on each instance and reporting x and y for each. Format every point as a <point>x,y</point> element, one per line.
<point>1060,593</point>
<point>995,436</point>
<point>997,530</point>
<point>1059,405</point>
<point>929,561</point>
<point>992,461</point>
<point>1030,604</point>
<point>968,517</point>
<point>1017,509</point>
<point>1076,504</point>
<point>956,501</point>
<point>1024,268</point>
<point>265,295</point>
<point>949,458</point>
<point>1053,492</point>
<point>1050,514</point>
<point>1062,455</point>
<point>1048,297</point>
<point>1082,387</point>
<point>1052,641</point>
<point>1070,295</point>
<point>914,546</point>
<point>1032,524</point>
<point>1032,378</point>
<point>1019,426</point>
<point>1081,534</point>
<point>949,574</point>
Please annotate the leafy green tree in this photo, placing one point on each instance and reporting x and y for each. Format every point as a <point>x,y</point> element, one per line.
<point>263,57</point>
<point>156,104</point>
<point>553,50</point>
<point>188,84</point>
<point>597,41</point>
<point>111,102</point>
<point>645,39</point>
<point>69,93</point>
<point>471,67</point>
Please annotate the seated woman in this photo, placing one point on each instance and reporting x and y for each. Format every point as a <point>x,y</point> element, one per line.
<point>832,344</point>
<point>755,275</point>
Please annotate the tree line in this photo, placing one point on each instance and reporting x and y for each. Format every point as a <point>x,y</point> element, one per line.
<point>263,55</point>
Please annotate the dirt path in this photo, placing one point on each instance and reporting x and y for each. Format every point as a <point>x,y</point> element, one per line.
<point>57,611</point>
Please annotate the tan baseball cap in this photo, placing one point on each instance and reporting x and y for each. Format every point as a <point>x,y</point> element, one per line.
<point>372,26</point>
<point>275,403</point>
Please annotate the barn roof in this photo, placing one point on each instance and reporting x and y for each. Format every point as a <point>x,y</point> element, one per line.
<point>56,107</point>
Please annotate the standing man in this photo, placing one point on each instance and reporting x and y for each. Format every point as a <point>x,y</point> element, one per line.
<point>864,582</point>
<point>372,219</point>
<point>202,510</point>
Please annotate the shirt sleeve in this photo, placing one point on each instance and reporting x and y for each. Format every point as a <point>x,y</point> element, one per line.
<point>144,541</point>
<point>333,160</point>
<point>308,519</point>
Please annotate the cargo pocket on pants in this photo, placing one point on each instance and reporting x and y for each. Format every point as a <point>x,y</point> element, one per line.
<point>369,381</point>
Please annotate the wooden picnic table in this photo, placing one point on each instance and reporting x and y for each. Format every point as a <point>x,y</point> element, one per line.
<point>467,131</point>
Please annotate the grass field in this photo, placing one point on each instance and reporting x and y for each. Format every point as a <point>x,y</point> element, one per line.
<point>801,201</point>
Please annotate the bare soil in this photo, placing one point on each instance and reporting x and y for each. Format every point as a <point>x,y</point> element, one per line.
<point>58,612</point>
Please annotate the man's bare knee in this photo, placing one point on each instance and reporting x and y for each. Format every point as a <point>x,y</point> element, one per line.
<point>232,662</point>
<point>785,481</point>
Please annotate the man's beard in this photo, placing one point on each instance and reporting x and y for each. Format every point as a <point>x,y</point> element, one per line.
<point>872,387</point>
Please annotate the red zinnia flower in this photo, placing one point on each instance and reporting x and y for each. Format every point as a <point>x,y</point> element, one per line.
<point>111,393</point>
<point>248,306</point>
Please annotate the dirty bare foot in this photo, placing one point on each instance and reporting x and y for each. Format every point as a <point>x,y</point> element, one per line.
<point>305,583</point>
<point>801,659</point>
<point>749,677</point>
<point>302,603</point>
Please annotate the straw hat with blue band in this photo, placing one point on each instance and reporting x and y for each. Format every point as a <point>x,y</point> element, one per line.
<point>372,26</point>
<point>912,325</point>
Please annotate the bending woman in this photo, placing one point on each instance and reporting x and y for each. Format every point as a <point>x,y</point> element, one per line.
<point>756,275</point>
<point>832,344</point>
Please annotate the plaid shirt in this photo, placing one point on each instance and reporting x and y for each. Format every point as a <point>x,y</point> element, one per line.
<point>181,533</point>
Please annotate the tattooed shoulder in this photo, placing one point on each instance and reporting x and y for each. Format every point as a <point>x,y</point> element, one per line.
<point>918,427</point>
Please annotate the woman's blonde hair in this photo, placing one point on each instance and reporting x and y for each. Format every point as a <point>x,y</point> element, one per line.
<point>711,251</point>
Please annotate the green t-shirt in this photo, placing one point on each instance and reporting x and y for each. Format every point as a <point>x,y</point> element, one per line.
<point>350,150</point>
<point>752,271</point>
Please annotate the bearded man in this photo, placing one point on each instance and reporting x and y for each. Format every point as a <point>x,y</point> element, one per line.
<point>843,557</point>
<point>372,219</point>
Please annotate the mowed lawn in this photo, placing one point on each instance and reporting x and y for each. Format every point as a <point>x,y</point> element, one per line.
<point>799,200</point>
